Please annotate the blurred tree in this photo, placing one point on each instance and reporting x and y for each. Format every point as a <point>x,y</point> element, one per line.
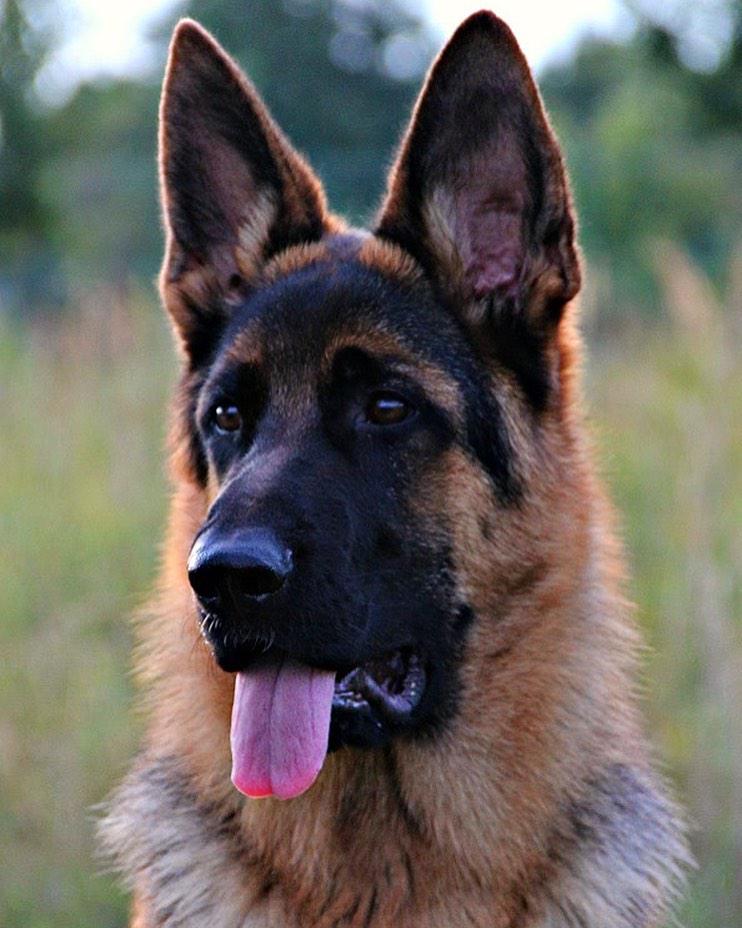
<point>652,126</point>
<point>102,181</point>
<point>27,259</point>
<point>700,46</point>
<point>654,149</point>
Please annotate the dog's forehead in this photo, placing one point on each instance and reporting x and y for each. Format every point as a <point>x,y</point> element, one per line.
<point>304,315</point>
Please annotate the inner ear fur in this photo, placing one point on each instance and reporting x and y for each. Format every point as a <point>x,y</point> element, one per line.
<point>234,190</point>
<point>479,193</point>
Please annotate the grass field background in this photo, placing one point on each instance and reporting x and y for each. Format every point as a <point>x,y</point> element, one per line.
<point>82,502</point>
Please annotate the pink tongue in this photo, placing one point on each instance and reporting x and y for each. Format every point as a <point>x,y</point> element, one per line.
<point>280,727</point>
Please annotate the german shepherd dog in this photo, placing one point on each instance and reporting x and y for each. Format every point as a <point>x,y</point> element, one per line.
<point>391,595</point>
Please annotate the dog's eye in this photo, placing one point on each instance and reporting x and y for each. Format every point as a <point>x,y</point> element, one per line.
<point>227,418</point>
<point>387,409</point>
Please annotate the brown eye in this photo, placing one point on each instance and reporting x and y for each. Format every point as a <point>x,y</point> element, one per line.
<point>387,409</point>
<point>227,418</point>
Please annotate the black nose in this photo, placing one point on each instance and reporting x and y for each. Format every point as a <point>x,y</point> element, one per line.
<point>227,567</point>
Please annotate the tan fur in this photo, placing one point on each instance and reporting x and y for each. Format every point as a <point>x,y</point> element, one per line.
<point>389,260</point>
<point>536,806</point>
<point>245,349</point>
<point>441,229</point>
<point>252,233</point>
<point>294,259</point>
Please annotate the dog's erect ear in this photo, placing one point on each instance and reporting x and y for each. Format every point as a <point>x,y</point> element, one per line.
<point>478,193</point>
<point>234,190</point>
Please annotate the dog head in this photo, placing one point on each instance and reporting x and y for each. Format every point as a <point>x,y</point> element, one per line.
<point>372,418</point>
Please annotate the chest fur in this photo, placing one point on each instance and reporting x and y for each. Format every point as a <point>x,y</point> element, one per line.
<point>613,860</point>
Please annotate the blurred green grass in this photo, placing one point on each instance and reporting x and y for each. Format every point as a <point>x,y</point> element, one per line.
<point>82,502</point>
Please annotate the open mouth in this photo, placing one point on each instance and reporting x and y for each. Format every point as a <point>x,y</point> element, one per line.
<point>287,715</point>
<point>392,684</point>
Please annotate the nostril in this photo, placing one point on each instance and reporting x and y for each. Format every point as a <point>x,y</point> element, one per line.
<point>212,584</point>
<point>259,581</point>
<point>205,583</point>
